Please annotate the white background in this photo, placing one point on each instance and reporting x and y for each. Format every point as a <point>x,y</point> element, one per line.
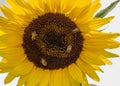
<point>111,75</point>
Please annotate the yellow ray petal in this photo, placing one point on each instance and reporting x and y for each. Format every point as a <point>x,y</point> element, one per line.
<point>23,80</point>
<point>5,70</point>
<point>76,73</point>
<point>34,77</point>
<point>21,7</point>
<point>82,3</point>
<point>94,7</point>
<point>15,30</point>
<point>7,12</point>
<point>9,78</point>
<point>1,33</point>
<point>55,6</point>
<point>51,83</point>
<point>84,28</point>
<point>2,45</point>
<point>17,3</point>
<point>11,40</point>
<point>110,43</point>
<point>4,60</point>
<point>73,82</point>
<point>11,62</point>
<point>87,69</point>
<point>85,83</point>
<point>67,6</point>
<point>14,18</point>
<point>3,21</point>
<point>96,35</point>
<point>107,61</point>
<point>33,7</point>
<point>45,81</point>
<point>97,68</point>
<point>66,81</point>
<point>22,68</point>
<point>5,66</point>
<point>109,54</point>
<point>88,13</point>
<point>98,22</point>
<point>58,78</point>
<point>91,58</point>
<point>37,4</point>
<point>12,52</point>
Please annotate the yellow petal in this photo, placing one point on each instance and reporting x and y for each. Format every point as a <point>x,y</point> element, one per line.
<point>45,81</point>
<point>9,14</point>
<point>99,22</point>
<point>54,5</point>
<point>74,82</point>
<point>85,83</point>
<point>13,53</point>
<point>87,69</point>
<point>9,78</point>
<point>88,13</point>
<point>3,21</point>
<point>109,54</point>
<point>37,4</point>
<point>22,68</point>
<point>58,78</point>
<point>11,39</point>
<point>5,70</point>
<point>34,77</point>
<point>66,81</point>
<point>76,73</point>
<point>2,45</point>
<point>11,62</point>
<point>110,43</point>
<point>98,35</point>
<point>21,6</point>
<point>23,80</point>
<point>67,6</point>
<point>97,68</point>
<point>107,61</point>
<point>91,58</point>
<point>51,83</point>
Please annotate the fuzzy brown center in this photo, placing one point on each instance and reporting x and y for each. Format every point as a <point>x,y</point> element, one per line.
<point>52,41</point>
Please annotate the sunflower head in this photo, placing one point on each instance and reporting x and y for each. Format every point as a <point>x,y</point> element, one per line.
<point>53,42</point>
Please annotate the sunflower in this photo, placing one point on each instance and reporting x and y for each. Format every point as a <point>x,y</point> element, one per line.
<point>53,42</point>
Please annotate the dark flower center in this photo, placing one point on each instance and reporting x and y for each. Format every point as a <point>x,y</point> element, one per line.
<point>52,41</point>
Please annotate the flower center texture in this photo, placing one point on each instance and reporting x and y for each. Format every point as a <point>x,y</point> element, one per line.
<point>52,41</point>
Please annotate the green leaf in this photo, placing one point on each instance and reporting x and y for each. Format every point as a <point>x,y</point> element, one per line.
<point>105,11</point>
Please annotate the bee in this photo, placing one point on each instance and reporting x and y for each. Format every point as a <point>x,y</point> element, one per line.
<point>43,62</point>
<point>69,48</point>
<point>76,30</point>
<point>34,35</point>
